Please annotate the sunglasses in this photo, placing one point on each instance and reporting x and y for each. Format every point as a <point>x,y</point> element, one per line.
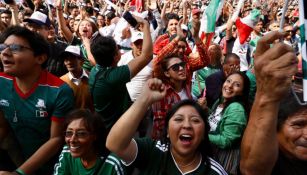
<point>13,47</point>
<point>176,67</point>
<point>78,134</point>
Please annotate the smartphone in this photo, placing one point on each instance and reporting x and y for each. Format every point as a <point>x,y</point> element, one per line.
<point>130,19</point>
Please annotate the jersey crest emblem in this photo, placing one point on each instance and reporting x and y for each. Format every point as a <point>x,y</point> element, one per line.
<point>40,104</point>
<point>4,102</point>
<point>161,147</point>
<point>41,112</point>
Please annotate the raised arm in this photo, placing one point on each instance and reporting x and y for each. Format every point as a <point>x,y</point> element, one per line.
<point>120,142</point>
<point>14,10</point>
<point>185,6</point>
<point>138,63</point>
<point>274,68</point>
<point>202,59</point>
<point>62,24</point>
<point>163,12</point>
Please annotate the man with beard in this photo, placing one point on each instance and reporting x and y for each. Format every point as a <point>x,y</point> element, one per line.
<point>175,69</point>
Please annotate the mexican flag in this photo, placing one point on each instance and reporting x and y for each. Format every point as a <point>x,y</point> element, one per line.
<point>209,19</point>
<point>303,33</point>
<point>246,25</point>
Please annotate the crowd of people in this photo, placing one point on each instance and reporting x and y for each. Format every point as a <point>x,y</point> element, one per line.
<point>101,87</point>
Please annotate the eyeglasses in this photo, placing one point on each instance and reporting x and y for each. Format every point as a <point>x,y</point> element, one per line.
<point>13,47</point>
<point>176,67</point>
<point>78,134</point>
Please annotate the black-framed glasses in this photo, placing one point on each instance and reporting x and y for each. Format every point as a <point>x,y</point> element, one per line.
<point>78,134</point>
<point>13,47</point>
<point>176,67</point>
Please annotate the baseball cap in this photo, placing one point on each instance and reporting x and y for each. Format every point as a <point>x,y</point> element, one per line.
<point>195,11</point>
<point>72,50</point>
<point>184,27</point>
<point>136,36</point>
<point>38,18</point>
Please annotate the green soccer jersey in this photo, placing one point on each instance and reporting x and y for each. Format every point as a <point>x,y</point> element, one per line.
<point>30,114</point>
<point>110,94</point>
<point>68,165</point>
<point>154,158</point>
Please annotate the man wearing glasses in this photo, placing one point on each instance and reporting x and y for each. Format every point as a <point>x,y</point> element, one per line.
<point>33,102</point>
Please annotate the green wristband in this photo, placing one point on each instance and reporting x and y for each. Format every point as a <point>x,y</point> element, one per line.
<point>20,172</point>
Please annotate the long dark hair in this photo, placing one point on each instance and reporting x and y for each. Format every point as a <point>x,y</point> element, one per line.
<point>242,99</point>
<point>204,147</point>
<point>94,124</point>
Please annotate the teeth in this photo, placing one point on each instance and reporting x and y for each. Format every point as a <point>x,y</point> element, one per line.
<point>74,147</point>
<point>185,135</point>
<point>227,90</point>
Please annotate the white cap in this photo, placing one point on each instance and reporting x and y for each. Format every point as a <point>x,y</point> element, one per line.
<point>74,50</point>
<point>136,36</point>
<point>184,27</point>
<point>38,18</point>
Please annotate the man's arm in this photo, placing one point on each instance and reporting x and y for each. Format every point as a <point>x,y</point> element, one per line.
<point>138,63</point>
<point>3,127</point>
<point>46,151</point>
<point>274,68</point>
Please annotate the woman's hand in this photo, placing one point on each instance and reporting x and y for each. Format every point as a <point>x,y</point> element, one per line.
<point>58,4</point>
<point>179,30</point>
<point>154,90</point>
<point>195,28</point>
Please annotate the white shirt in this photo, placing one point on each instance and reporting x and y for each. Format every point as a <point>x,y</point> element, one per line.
<point>183,94</point>
<point>241,51</point>
<point>77,81</point>
<point>107,30</point>
<point>215,118</point>
<point>136,84</point>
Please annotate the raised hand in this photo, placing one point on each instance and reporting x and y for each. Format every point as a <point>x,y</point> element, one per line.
<point>179,30</point>
<point>195,27</point>
<point>154,90</point>
<point>274,66</point>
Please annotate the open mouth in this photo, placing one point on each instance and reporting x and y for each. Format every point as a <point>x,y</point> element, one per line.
<point>185,138</point>
<point>7,62</point>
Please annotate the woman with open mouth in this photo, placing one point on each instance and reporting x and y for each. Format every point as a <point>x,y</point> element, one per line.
<point>185,148</point>
<point>86,28</point>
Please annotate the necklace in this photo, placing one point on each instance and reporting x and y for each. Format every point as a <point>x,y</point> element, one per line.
<point>188,164</point>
